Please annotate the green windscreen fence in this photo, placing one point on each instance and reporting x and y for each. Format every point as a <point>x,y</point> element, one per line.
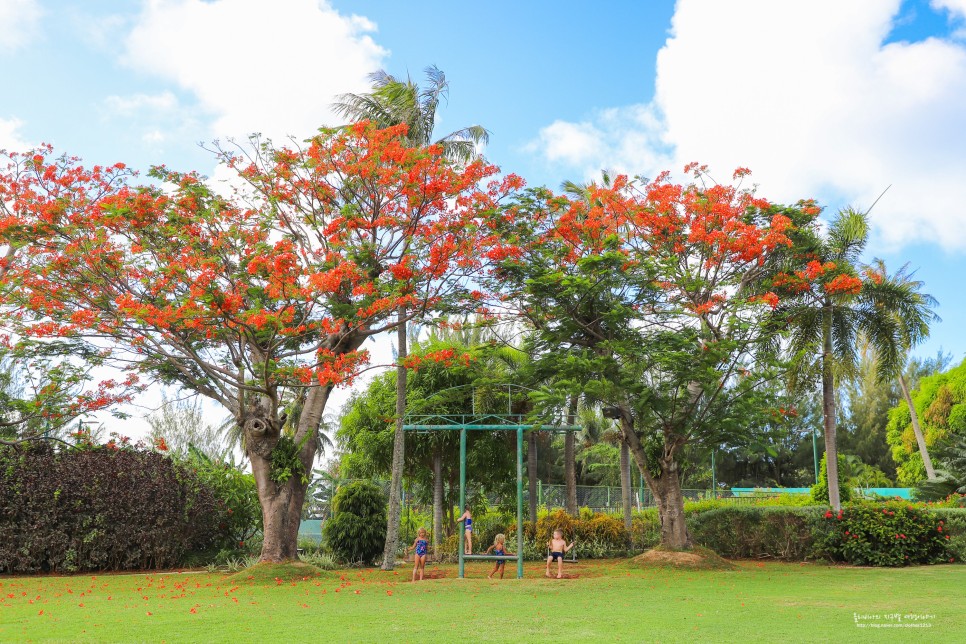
<point>311,529</point>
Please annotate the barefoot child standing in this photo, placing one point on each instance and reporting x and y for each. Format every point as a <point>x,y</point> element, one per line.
<point>558,546</point>
<point>467,518</point>
<point>420,545</point>
<point>498,548</point>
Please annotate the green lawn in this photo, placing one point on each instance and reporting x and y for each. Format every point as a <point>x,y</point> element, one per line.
<point>601,601</point>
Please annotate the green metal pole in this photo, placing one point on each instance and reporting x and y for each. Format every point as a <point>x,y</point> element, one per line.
<point>520,503</point>
<point>714,477</point>
<point>462,544</point>
<point>539,493</point>
<point>815,454</point>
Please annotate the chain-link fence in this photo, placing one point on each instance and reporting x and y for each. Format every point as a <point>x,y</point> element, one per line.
<point>598,498</point>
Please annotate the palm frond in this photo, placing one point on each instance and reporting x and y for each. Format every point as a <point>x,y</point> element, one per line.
<point>847,237</point>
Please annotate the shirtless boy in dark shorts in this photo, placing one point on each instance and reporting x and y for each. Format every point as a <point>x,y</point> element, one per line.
<point>558,546</point>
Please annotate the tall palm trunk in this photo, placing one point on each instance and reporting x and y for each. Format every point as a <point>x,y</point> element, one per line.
<point>437,497</point>
<point>626,500</point>
<point>398,451</point>
<point>828,410</point>
<point>532,474</point>
<point>570,462</point>
<point>917,430</point>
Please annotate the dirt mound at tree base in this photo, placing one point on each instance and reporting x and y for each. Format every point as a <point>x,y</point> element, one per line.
<point>267,572</point>
<point>697,558</point>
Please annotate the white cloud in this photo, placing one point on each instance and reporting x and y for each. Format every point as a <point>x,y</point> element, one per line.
<point>256,66</point>
<point>129,105</point>
<point>10,138</point>
<point>154,137</point>
<point>629,139</point>
<point>806,95</point>
<point>953,6</point>
<point>18,22</point>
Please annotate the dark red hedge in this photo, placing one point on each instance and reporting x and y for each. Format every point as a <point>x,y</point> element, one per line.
<point>100,509</point>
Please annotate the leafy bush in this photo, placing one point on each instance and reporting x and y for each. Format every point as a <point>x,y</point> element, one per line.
<point>746,531</point>
<point>240,514</point>
<point>356,533</point>
<point>954,526</point>
<point>100,508</point>
<point>446,551</point>
<point>487,526</point>
<point>645,530</point>
<point>820,489</point>
<point>597,534</point>
<point>884,534</point>
<point>320,560</point>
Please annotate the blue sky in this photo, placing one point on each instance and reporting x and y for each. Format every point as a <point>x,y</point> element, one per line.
<point>819,98</point>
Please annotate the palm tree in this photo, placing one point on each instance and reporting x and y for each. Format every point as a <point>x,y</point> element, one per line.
<point>584,192</point>
<point>394,102</point>
<point>597,428</point>
<point>835,306</point>
<point>914,330</point>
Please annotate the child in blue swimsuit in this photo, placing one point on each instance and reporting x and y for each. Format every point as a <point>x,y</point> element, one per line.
<point>498,548</point>
<point>467,517</point>
<point>421,546</point>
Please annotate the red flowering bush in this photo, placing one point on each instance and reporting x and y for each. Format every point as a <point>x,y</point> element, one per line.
<point>884,534</point>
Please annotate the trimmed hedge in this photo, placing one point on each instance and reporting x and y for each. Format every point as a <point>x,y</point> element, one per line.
<point>883,534</point>
<point>879,534</point>
<point>750,532</point>
<point>866,534</point>
<point>100,509</point>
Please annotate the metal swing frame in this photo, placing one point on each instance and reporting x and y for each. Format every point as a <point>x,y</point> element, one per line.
<point>490,423</point>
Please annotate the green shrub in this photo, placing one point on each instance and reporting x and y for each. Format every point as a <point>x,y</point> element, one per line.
<point>954,526</point>
<point>446,551</point>
<point>320,560</point>
<point>487,526</point>
<point>356,533</point>
<point>751,532</point>
<point>883,534</point>
<point>645,530</point>
<point>596,535</point>
<point>820,489</point>
<point>240,513</point>
<point>954,500</point>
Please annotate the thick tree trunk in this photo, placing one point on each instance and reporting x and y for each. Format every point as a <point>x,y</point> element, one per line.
<point>281,503</point>
<point>666,486</point>
<point>670,504</point>
<point>828,411</point>
<point>532,474</point>
<point>626,489</point>
<point>398,451</point>
<point>437,497</point>
<point>917,430</point>
<point>570,461</point>
<point>279,530</point>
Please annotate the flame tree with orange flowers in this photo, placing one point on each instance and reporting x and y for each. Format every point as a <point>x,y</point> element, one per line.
<point>273,287</point>
<point>44,380</point>
<point>654,299</point>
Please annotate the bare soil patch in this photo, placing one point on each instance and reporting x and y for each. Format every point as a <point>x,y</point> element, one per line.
<point>697,558</point>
